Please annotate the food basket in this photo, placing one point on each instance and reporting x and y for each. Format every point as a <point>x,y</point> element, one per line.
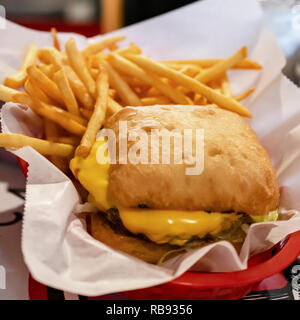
<point>221,285</point>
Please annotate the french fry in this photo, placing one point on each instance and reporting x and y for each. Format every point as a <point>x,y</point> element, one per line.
<point>113,106</point>
<point>56,43</point>
<point>59,116</point>
<point>190,70</point>
<point>225,86</point>
<point>113,47</point>
<point>51,130</point>
<point>132,49</point>
<point>79,89</point>
<point>67,94</point>
<point>33,90</point>
<point>221,67</point>
<point>97,117</point>
<point>86,113</point>
<point>94,59</point>
<point>200,100</point>
<point>194,85</point>
<point>151,101</point>
<point>18,79</point>
<point>47,69</point>
<point>72,140</point>
<point>133,70</point>
<point>52,134</point>
<point>123,89</point>
<point>152,92</point>
<point>11,95</point>
<point>134,82</point>
<point>96,47</point>
<point>244,95</point>
<point>78,64</point>
<point>44,83</point>
<point>112,93</point>
<point>9,140</point>
<point>208,63</point>
<point>94,73</point>
<point>51,56</point>
<point>8,94</point>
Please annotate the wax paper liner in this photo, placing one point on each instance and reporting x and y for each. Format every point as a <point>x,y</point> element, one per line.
<point>57,249</point>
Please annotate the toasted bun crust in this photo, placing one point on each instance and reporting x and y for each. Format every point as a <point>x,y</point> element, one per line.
<point>238,174</point>
<point>139,248</point>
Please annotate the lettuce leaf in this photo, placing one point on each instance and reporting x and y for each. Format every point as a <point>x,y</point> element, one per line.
<point>271,216</point>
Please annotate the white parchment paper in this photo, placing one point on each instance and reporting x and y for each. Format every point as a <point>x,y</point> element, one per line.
<point>57,249</point>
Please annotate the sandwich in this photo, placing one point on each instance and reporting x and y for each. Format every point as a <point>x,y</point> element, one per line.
<point>151,208</point>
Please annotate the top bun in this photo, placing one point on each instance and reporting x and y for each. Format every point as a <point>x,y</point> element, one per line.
<point>238,174</point>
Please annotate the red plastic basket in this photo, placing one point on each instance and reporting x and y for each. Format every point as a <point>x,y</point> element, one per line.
<point>222,285</point>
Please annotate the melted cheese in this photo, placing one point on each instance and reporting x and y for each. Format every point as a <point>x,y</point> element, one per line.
<point>175,226</point>
<point>161,226</point>
<point>93,176</point>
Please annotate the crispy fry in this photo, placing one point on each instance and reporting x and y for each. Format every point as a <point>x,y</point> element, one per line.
<point>151,101</point>
<point>52,132</point>
<point>152,92</point>
<point>94,73</point>
<point>132,69</point>
<point>112,93</point>
<point>33,90</point>
<point>244,95</point>
<point>123,89</point>
<point>11,95</point>
<point>133,49</point>
<point>59,116</point>
<point>190,70</point>
<point>221,67</point>
<point>56,43</point>
<point>44,83</point>
<point>134,82</point>
<point>79,66</point>
<point>113,47</point>
<point>86,113</point>
<point>79,89</point>
<point>51,56</point>
<point>96,47</point>
<point>72,140</point>
<point>113,106</point>
<point>207,63</point>
<point>200,100</point>
<point>66,91</point>
<point>94,59</point>
<point>190,83</point>
<point>47,69</point>
<point>97,117</point>
<point>225,86</point>
<point>9,140</point>
<point>18,79</point>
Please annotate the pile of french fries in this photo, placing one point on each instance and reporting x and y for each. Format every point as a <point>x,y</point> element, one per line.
<point>74,91</point>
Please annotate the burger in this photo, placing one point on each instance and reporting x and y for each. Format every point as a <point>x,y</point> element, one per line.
<point>148,207</point>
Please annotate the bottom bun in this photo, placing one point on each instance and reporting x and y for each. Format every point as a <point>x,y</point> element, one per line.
<point>100,229</point>
<point>148,251</point>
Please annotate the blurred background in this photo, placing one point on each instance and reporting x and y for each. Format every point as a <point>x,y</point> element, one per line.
<point>88,17</point>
